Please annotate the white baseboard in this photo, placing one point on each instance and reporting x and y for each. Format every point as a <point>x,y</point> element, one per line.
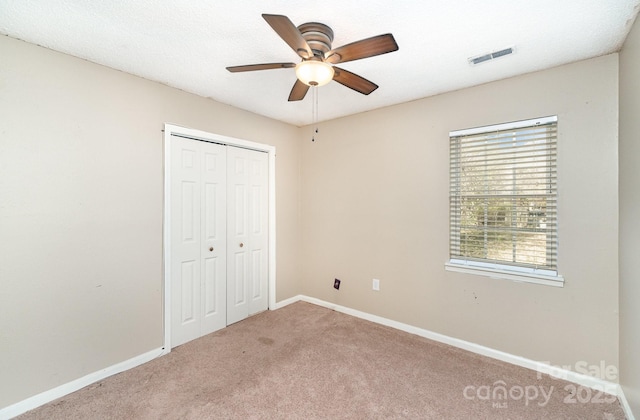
<point>571,376</point>
<point>65,389</point>
<point>286,302</point>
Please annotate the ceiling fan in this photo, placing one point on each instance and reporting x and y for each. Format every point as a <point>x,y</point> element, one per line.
<point>312,42</point>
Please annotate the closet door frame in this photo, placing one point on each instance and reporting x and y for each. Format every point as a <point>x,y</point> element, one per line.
<point>175,130</point>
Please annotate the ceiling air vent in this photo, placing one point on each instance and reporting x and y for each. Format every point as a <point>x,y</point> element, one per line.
<point>490,56</point>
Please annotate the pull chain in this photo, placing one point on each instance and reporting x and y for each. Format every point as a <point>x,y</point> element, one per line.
<point>314,111</point>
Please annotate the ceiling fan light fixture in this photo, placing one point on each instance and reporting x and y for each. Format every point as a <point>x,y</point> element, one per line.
<point>314,73</point>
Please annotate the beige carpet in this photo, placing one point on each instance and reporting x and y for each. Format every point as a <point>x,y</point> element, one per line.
<point>308,362</point>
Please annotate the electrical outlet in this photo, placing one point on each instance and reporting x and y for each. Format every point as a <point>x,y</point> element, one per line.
<point>376,285</point>
<point>336,284</point>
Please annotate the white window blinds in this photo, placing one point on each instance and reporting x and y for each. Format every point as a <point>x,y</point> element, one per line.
<point>503,195</point>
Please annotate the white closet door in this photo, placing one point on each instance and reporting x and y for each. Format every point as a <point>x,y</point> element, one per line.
<point>247,239</point>
<point>214,238</point>
<point>259,231</point>
<point>198,239</point>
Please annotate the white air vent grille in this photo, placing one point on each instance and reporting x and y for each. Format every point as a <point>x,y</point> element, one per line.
<point>490,56</point>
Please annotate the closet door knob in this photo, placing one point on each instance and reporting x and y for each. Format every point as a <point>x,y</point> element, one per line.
<point>211,249</point>
<point>241,244</point>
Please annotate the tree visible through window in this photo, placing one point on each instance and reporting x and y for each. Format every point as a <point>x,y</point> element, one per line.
<point>503,195</point>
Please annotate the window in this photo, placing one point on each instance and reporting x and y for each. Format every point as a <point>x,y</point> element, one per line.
<point>503,201</point>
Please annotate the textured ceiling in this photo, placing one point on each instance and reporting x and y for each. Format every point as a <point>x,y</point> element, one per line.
<point>188,43</point>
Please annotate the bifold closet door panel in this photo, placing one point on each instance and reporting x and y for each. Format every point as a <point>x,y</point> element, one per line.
<point>247,233</point>
<point>198,239</point>
<point>214,238</point>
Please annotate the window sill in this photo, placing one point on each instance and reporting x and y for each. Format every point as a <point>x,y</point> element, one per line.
<point>496,273</point>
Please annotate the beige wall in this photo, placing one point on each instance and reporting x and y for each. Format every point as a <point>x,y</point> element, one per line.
<point>81,193</point>
<point>629,218</point>
<point>375,205</point>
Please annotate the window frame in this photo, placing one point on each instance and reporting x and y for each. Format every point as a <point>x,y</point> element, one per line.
<point>494,269</point>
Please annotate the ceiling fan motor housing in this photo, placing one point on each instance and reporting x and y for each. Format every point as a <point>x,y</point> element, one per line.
<point>319,37</point>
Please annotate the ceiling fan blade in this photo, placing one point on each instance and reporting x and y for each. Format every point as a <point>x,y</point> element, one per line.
<point>298,92</point>
<point>290,34</point>
<point>265,66</point>
<point>353,81</point>
<point>364,48</point>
